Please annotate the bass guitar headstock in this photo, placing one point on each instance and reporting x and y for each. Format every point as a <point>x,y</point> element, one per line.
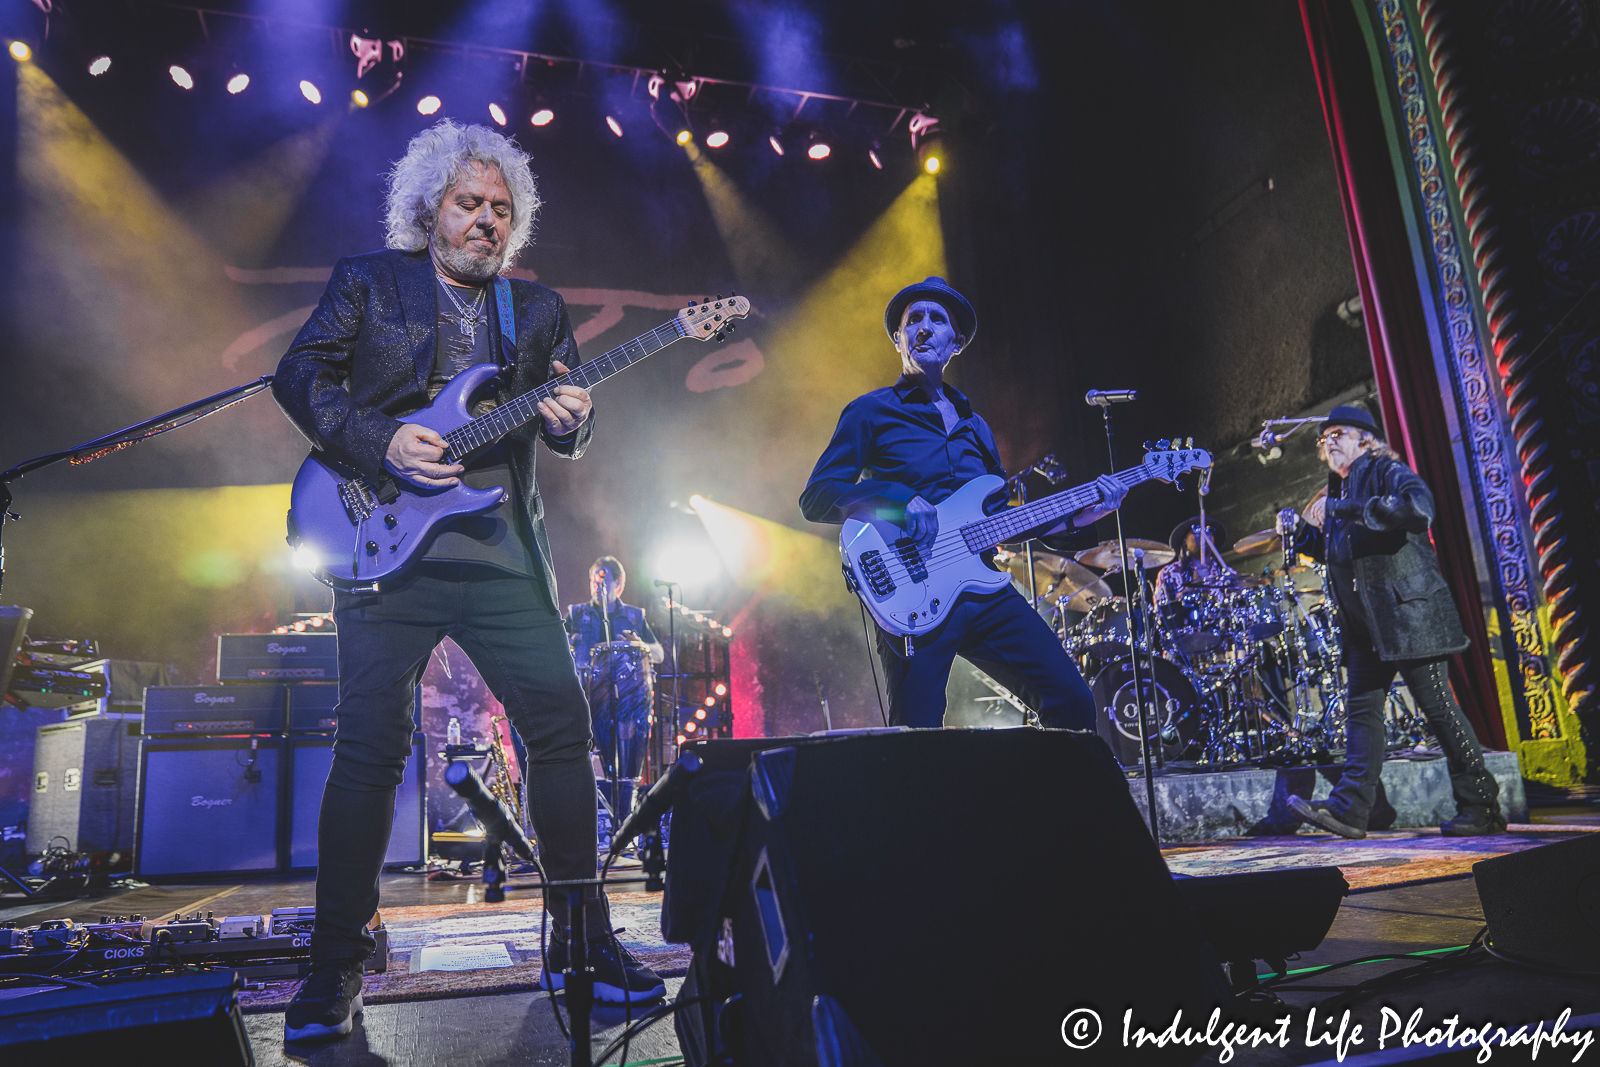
<point>713,317</point>
<point>1168,461</point>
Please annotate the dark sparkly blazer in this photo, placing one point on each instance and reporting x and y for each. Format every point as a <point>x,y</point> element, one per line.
<point>362,361</point>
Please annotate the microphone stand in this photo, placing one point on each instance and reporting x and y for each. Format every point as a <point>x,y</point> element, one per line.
<point>104,446</point>
<point>672,639</point>
<point>1135,635</point>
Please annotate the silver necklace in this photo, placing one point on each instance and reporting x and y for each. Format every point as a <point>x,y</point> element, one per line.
<point>468,315</point>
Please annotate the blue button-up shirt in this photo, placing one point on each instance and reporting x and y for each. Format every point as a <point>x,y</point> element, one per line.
<point>891,446</point>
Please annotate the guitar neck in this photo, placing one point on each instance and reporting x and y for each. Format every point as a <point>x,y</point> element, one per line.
<point>1012,522</point>
<point>485,430</point>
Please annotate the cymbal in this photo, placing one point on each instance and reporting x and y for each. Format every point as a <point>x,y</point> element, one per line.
<point>1259,543</point>
<point>1107,555</point>
<point>1057,577</point>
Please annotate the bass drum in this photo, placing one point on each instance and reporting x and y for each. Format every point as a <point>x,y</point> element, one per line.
<point>1117,718</point>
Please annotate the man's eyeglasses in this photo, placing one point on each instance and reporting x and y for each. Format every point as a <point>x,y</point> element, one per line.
<point>1336,433</point>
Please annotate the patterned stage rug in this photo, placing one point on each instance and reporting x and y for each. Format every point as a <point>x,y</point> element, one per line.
<point>513,925</point>
<point>1379,861</point>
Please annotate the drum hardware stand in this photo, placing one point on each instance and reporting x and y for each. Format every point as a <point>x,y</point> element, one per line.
<point>677,680</point>
<point>822,698</point>
<point>104,446</point>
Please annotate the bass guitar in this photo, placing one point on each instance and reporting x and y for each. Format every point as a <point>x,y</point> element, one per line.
<point>357,532</point>
<point>909,590</point>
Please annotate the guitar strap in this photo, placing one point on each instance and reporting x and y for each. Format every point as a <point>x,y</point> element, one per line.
<point>508,319</point>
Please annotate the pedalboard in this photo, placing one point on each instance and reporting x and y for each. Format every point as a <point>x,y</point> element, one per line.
<point>257,946</point>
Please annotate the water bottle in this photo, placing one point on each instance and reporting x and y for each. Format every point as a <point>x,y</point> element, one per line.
<point>453,732</point>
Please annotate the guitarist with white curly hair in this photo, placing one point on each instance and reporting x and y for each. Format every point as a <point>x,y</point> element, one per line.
<point>394,327</point>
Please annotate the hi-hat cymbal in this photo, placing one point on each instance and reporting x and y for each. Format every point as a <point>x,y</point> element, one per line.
<point>1107,555</point>
<point>1259,543</point>
<point>1057,577</point>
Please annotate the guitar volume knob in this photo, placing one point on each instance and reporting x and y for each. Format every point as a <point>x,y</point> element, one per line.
<point>372,548</point>
<point>390,521</point>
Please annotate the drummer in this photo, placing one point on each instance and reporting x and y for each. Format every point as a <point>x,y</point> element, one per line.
<point>1193,567</point>
<point>606,618</point>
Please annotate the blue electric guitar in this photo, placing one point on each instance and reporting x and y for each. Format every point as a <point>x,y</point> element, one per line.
<point>910,591</point>
<point>359,533</point>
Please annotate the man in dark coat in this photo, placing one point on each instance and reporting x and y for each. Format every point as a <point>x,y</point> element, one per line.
<point>1395,614</point>
<point>392,328</point>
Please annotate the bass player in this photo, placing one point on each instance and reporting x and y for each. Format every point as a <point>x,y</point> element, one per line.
<point>896,453</point>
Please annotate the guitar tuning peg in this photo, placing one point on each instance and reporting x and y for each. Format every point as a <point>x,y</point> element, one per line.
<point>1149,446</point>
<point>691,303</point>
<point>1163,444</point>
<point>732,295</point>
<point>1188,442</point>
<point>719,335</point>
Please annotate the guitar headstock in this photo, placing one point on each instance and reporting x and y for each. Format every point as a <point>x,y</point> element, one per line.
<point>713,317</point>
<point>1168,461</point>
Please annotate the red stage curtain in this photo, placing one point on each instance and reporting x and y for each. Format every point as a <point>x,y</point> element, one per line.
<point>1402,357</point>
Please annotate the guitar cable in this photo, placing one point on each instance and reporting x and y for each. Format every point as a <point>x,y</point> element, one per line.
<point>872,662</point>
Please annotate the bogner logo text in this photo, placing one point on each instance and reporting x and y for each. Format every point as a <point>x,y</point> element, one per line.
<point>207,698</point>
<point>284,650</point>
<point>208,802</point>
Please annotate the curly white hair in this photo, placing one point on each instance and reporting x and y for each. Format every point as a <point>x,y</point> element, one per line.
<point>434,161</point>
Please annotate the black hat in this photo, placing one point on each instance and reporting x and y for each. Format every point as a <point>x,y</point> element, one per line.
<point>932,289</point>
<point>1345,415</point>
<point>1180,533</point>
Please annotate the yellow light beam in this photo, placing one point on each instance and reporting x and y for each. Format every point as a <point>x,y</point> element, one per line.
<point>800,570</point>
<point>761,258</point>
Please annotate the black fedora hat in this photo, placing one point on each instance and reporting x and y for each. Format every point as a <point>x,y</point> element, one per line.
<point>1180,533</point>
<point>1345,415</point>
<point>937,289</point>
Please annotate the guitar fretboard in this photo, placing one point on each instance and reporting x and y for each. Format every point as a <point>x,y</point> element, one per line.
<point>1012,522</point>
<point>490,427</point>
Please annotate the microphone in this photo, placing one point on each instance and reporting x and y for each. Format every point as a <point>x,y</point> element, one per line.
<point>1100,398</point>
<point>1266,439</point>
<point>660,582</point>
<point>1288,538</point>
<point>647,815</point>
<point>488,809</point>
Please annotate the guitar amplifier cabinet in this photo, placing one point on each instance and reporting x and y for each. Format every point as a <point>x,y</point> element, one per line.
<point>199,711</point>
<point>312,704</point>
<point>291,657</point>
<point>209,807</point>
<point>309,760</point>
<point>85,781</point>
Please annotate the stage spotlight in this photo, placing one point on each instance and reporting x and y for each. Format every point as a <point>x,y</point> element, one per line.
<point>615,126</point>
<point>238,83</point>
<point>689,563</point>
<point>872,154</point>
<point>711,702</point>
<point>428,105</point>
<point>22,53</point>
<point>497,113</point>
<point>699,617</point>
<point>717,138</point>
<point>932,164</point>
<point>721,690</point>
<point>777,145</point>
<point>820,150</point>
<point>542,117</point>
<point>359,98</point>
<point>727,631</point>
<point>305,557</point>
<point>700,713</point>
<point>99,65</point>
<point>684,136</point>
<point>183,78</point>
<point>310,92</point>
<point>689,727</point>
<point>681,739</point>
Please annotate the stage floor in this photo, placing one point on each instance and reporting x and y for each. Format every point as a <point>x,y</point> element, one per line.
<point>518,1026</point>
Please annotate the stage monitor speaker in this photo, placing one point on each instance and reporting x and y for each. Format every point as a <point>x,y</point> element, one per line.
<point>13,630</point>
<point>208,807</point>
<point>1263,915</point>
<point>310,758</point>
<point>191,1018</point>
<point>928,897</point>
<point>85,785</point>
<point>1543,904</point>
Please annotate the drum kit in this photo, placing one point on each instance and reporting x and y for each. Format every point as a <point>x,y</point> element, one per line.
<point>620,683</point>
<point>1236,667</point>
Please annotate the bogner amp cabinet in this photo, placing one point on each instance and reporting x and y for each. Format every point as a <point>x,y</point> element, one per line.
<point>291,657</point>
<point>309,759</point>
<point>201,711</point>
<point>311,708</point>
<point>209,806</point>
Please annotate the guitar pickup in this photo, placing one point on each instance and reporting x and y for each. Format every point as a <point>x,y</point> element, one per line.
<point>358,500</point>
<point>876,572</point>
<point>906,549</point>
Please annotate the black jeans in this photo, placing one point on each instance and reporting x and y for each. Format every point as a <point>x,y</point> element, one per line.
<point>512,634</point>
<point>996,630</point>
<point>1476,791</point>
